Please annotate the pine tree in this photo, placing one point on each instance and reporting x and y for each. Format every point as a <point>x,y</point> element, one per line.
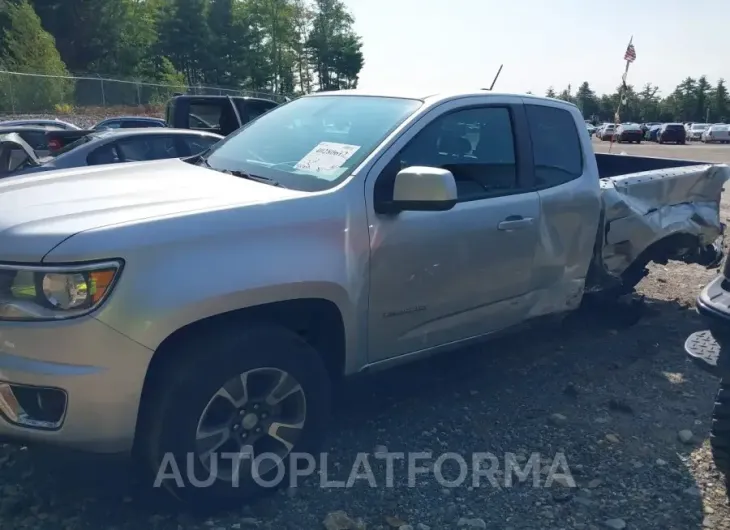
<point>28,48</point>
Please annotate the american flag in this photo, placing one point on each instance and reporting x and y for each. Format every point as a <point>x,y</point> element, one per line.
<point>630,54</point>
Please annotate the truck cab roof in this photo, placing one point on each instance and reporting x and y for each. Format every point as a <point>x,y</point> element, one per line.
<point>435,97</point>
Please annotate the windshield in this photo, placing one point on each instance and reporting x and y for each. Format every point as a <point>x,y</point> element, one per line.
<point>700,126</point>
<point>312,143</point>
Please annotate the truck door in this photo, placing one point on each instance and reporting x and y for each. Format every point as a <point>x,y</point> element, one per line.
<point>442,277</point>
<point>566,179</point>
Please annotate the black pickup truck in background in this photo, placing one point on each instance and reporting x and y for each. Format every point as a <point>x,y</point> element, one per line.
<point>217,114</point>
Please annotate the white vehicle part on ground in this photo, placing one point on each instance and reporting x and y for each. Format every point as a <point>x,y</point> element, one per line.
<point>643,208</point>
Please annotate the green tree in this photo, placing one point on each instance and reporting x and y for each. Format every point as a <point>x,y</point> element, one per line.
<point>702,98</point>
<point>720,102</point>
<point>331,30</point>
<point>566,94</point>
<point>586,100</point>
<point>184,37</point>
<point>649,103</point>
<point>550,93</point>
<point>26,47</point>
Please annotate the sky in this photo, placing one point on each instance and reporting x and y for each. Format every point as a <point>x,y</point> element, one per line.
<point>432,45</point>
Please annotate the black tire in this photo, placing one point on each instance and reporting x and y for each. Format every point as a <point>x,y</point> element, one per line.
<point>205,365</point>
<point>638,141</point>
<point>720,433</point>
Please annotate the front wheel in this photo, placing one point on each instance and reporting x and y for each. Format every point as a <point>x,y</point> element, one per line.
<point>720,434</point>
<point>235,414</point>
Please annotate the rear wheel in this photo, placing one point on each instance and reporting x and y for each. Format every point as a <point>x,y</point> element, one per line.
<point>720,434</point>
<point>229,417</point>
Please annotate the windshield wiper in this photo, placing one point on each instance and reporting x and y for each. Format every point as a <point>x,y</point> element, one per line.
<point>238,173</point>
<point>249,176</point>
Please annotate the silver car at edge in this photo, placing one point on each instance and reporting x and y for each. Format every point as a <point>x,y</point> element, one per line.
<point>717,133</point>
<point>203,306</point>
<point>107,146</point>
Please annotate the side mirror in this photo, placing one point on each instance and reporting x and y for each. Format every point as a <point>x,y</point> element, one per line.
<point>424,189</point>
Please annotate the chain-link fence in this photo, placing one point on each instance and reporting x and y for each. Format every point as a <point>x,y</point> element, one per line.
<point>33,93</point>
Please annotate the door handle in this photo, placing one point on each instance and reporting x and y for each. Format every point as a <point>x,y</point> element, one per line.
<point>515,222</point>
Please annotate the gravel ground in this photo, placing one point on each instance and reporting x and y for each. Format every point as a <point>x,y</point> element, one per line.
<point>611,398</point>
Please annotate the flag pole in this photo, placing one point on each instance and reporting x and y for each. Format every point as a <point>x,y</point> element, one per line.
<point>621,92</point>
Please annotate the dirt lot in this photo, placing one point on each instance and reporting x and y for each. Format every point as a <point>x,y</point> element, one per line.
<point>611,398</point>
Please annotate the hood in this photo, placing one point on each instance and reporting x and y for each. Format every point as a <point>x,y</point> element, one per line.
<point>14,151</point>
<point>39,211</point>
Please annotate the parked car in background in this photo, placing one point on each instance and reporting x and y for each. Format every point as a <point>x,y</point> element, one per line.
<point>672,133</point>
<point>41,123</point>
<point>651,133</point>
<point>34,136</point>
<point>129,122</point>
<point>607,132</point>
<point>104,147</point>
<point>591,129</point>
<point>717,133</point>
<point>646,127</point>
<point>694,132</point>
<point>216,114</point>
<point>628,132</point>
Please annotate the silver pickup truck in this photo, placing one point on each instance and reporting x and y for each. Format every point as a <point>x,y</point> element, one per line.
<point>204,306</point>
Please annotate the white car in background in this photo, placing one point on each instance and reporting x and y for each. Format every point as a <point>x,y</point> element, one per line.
<point>694,131</point>
<point>718,132</point>
<point>606,132</point>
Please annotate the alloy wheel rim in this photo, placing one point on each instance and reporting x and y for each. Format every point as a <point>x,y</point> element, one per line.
<point>251,424</point>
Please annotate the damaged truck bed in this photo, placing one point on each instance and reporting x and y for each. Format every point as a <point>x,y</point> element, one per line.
<point>669,211</point>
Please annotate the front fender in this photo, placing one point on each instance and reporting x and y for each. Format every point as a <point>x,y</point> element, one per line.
<point>180,271</point>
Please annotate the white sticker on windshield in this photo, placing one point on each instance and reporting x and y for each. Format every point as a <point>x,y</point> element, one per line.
<point>326,158</point>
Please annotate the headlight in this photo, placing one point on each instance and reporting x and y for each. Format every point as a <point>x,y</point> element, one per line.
<point>54,292</point>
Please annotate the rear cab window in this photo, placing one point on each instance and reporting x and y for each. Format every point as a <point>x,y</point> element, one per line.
<point>205,115</point>
<point>556,145</point>
<point>252,109</point>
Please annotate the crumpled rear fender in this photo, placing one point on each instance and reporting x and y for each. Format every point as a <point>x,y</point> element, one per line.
<point>657,215</point>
